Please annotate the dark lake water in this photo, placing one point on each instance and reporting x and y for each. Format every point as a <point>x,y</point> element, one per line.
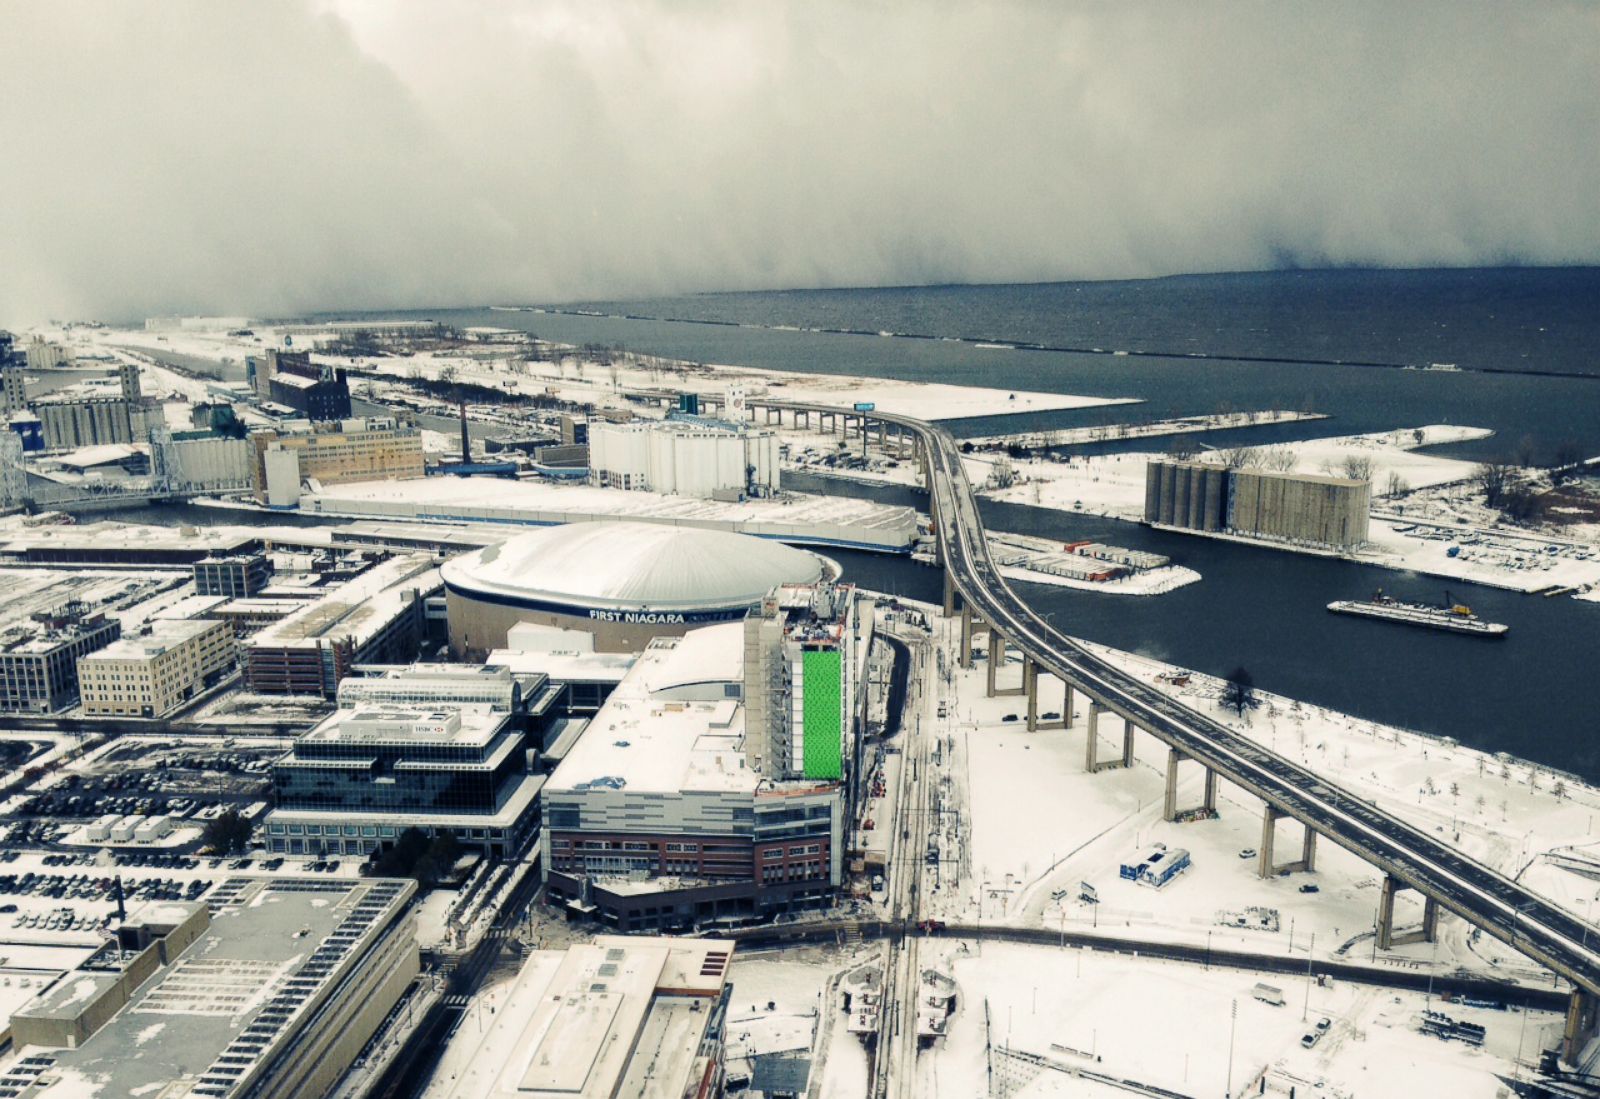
<point>1527,345</point>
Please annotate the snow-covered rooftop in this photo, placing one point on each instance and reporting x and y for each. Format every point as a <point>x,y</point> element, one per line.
<point>644,740</point>
<point>634,566</point>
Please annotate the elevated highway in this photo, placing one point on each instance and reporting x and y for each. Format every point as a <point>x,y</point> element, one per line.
<point>1409,857</point>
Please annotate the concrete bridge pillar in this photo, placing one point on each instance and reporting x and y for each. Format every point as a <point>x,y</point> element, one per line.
<point>1267,867</point>
<point>997,660</point>
<point>1582,1023</point>
<point>951,596</point>
<point>1169,809</point>
<point>1030,686</point>
<point>1092,743</point>
<point>1387,938</point>
<point>1091,752</point>
<point>964,657</point>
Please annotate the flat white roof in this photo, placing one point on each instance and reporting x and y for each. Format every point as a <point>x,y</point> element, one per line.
<point>641,741</point>
<point>165,633</point>
<point>357,608</point>
<point>622,1016</point>
<point>371,724</point>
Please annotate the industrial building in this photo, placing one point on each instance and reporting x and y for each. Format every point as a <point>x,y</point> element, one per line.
<point>72,419</point>
<point>376,618</point>
<point>799,680</point>
<point>39,657</point>
<point>319,395</point>
<point>154,673</point>
<point>687,456</point>
<point>372,449</point>
<point>73,422</point>
<point>270,990</point>
<point>656,820</point>
<point>237,576</point>
<point>621,1016</point>
<point>363,776</point>
<point>1302,508</point>
<point>624,582</point>
<point>43,355</point>
<point>13,390</point>
<point>202,460</point>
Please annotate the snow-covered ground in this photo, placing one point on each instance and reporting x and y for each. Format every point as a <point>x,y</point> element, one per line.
<point>1196,1031</point>
<point>1026,825</point>
<point>588,382</point>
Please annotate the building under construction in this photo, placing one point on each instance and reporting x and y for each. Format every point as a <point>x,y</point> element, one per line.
<point>1303,508</point>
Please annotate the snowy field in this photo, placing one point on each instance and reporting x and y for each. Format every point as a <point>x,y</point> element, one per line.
<point>1195,1031</point>
<point>1028,825</point>
<point>582,382</point>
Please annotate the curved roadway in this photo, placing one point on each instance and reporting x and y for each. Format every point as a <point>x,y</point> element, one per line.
<point>1482,896</point>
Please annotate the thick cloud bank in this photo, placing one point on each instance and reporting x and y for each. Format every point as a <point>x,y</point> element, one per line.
<point>272,157</point>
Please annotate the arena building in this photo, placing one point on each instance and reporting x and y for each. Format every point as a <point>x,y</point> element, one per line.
<point>624,582</point>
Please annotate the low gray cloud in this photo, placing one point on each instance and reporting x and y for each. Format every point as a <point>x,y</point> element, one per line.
<point>270,158</point>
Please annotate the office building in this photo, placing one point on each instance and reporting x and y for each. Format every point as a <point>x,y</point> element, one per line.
<point>271,989</point>
<point>39,657</point>
<point>375,449</point>
<point>443,685</point>
<point>800,680</point>
<point>621,1016</point>
<point>685,457</point>
<point>655,819</point>
<point>154,673</point>
<point>232,577</point>
<point>376,618</point>
<point>1302,508</point>
<point>361,778</point>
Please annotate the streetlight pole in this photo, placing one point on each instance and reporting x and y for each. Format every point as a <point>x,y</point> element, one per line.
<point>1305,1010</point>
<point>1233,1026</point>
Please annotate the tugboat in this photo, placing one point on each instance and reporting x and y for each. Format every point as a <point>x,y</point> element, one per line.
<point>1452,616</point>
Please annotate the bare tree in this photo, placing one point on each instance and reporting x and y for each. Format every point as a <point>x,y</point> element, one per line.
<point>1493,478</point>
<point>1181,447</point>
<point>1002,474</point>
<point>1358,467</point>
<point>1526,449</point>
<point>1279,459</point>
<point>1239,457</point>
<point>1395,485</point>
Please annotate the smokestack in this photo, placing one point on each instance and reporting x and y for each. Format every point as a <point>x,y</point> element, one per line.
<point>466,443</point>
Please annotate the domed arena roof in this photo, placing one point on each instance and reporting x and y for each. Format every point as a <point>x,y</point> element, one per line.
<point>631,567</point>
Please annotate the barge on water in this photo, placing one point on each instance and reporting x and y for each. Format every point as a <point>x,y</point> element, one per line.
<point>1453,616</point>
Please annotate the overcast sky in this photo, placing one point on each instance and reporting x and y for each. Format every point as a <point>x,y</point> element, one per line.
<point>264,158</point>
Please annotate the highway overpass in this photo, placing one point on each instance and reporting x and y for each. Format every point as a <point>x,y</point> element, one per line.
<point>1409,857</point>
